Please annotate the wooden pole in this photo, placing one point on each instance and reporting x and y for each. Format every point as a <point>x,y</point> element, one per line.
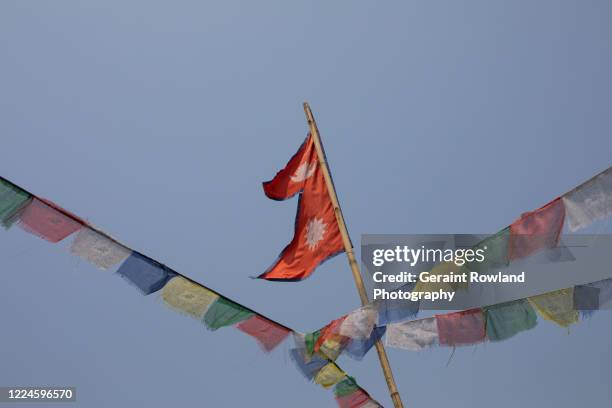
<point>348,248</point>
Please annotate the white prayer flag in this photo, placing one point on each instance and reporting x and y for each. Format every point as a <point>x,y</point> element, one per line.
<point>413,335</point>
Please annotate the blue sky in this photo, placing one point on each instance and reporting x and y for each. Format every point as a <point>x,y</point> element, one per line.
<point>157,122</point>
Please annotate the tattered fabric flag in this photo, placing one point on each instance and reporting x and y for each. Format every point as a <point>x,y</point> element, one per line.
<point>536,230</point>
<point>393,311</point>
<point>187,297</point>
<point>357,349</point>
<point>414,335</point>
<point>48,221</point>
<point>557,306</point>
<point>299,339</point>
<point>495,253</point>
<point>605,292</point>
<point>330,342</point>
<point>442,269</point>
<point>590,201</point>
<point>267,333</point>
<point>98,249</point>
<point>290,180</point>
<point>316,237</point>
<point>461,328</point>
<point>309,367</point>
<point>329,375</point>
<point>12,201</point>
<point>586,297</point>
<point>346,387</point>
<point>333,346</point>
<point>145,273</point>
<point>224,313</point>
<point>310,340</point>
<point>593,296</point>
<point>358,399</point>
<point>359,323</point>
<point>508,319</point>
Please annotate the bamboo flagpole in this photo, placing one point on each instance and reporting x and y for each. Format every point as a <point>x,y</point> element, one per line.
<point>348,248</point>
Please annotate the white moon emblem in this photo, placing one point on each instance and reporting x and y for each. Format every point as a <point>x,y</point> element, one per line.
<point>304,171</point>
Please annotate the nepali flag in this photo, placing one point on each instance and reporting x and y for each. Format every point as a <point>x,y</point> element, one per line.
<point>317,236</point>
<point>290,180</point>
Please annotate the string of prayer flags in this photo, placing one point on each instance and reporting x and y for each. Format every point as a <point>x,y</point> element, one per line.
<point>290,180</point>
<point>589,202</point>
<point>557,306</point>
<point>12,201</point>
<point>508,319</point>
<point>223,312</point>
<point>145,273</point>
<point>413,335</point>
<point>326,373</point>
<point>267,333</point>
<point>98,249</point>
<point>329,375</point>
<point>52,223</point>
<point>187,297</point>
<point>48,221</point>
<point>461,328</point>
<point>536,230</point>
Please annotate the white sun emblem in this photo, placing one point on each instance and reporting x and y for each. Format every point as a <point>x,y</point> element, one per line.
<point>304,171</point>
<point>315,230</point>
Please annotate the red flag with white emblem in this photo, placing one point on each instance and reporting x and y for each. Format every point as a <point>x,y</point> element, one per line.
<point>290,180</point>
<point>317,236</point>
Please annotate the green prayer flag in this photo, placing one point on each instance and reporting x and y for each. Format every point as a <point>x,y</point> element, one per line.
<point>495,253</point>
<point>310,340</point>
<point>223,313</point>
<point>12,199</point>
<point>345,387</point>
<point>508,319</point>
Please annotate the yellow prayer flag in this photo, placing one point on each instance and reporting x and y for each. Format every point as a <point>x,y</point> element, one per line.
<point>329,375</point>
<point>557,306</point>
<point>443,271</point>
<point>187,297</point>
<point>332,347</point>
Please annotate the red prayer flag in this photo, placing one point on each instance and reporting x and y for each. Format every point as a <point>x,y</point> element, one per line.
<point>316,237</point>
<point>355,400</point>
<point>267,333</point>
<point>331,332</point>
<point>290,180</point>
<point>49,221</point>
<point>536,230</point>
<point>461,328</point>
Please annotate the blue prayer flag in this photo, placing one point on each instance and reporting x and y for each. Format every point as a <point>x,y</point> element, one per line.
<point>146,274</point>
